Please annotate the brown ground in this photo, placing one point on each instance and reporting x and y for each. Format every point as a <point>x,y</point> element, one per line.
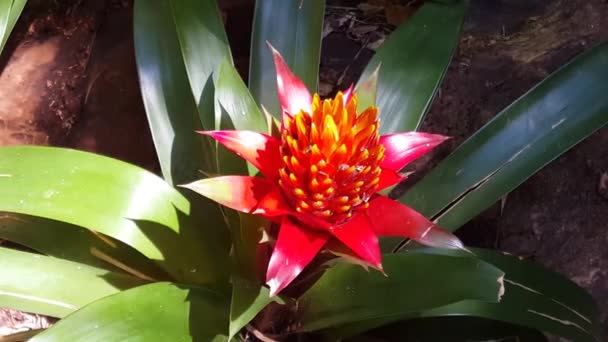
<point>68,78</point>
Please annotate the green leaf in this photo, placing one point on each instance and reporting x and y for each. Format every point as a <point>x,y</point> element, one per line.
<point>234,97</point>
<point>155,312</point>
<point>522,307</point>
<point>544,123</point>
<point>77,244</point>
<point>348,294</point>
<point>10,10</point>
<point>170,105</point>
<point>116,199</point>
<point>235,109</point>
<point>534,297</point>
<point>248,299</point>
<point>412,63</point>
<point>367,91</point>
<point>294,29</point>
<point>202,40</point>
<point>36,283</point>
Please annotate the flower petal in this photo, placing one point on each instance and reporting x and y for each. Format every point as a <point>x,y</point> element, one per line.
<point>391,218</point>
<point>389,178</point>
<point>261,150</point>
<point>295,248</point>
<point>293,94</point>
<point>402,148</point>
<point>252,195</point>
<point>347,94</point>
<point>358,235</point>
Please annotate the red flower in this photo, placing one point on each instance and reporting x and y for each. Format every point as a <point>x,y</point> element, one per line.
<point>321,178</point>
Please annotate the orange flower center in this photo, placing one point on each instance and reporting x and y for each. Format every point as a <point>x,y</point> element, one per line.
<point>331,158</point>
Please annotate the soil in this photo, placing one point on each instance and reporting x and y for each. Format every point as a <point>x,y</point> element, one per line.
<point>68,78</point>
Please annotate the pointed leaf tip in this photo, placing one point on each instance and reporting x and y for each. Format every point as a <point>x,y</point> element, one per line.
<point>293,94</point>
<point>259,149</point>
<point>294,250</point>
<point>242,193</point>
<point>358,235</point>
<point>348,94</point>
<point>391,218</point>
<point>403,148</point>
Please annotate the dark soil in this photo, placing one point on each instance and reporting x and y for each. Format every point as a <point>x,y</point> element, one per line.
<point>68,78</point>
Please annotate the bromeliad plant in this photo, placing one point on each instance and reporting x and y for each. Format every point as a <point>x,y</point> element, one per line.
<point>126,255</point>
<point>320,180</point>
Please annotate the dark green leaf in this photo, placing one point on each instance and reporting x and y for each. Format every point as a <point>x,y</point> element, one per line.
<point>544,123</point>
<point>522,307</point>
<point>116,199</point>
<point>155,312</point>
<point>348,294</point>
<point>202,39</point>
<point>170,105</point>
<point>248,299</point>
<point>73,243</point>
<point>234,97</point>
<point>36,283</point>
<point>236,109</point>
<point>294,29</point>
<point>412,63</point>
<point>10,10</point>
<point>534,297</point>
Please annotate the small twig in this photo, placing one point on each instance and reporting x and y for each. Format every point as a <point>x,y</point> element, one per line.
<point>260,335</point>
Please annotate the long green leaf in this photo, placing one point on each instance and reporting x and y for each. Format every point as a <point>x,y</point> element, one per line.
<point>77,244</point>
<point>112,198</point>
<point>294,28</point>
<point>348,294</point>
<point>248,299</point>
<point>10,10</point>
<point>235,108</point>
<point>412,63</point>
<point>169,102</point>
<point>155,312</point>
<point>534,297</point>
<point>202,40</point>
<point>537,128</point>
<point>36,283</point>
<point>234,97</point>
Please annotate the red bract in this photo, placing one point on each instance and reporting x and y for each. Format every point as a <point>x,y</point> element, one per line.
<point>321,180</point>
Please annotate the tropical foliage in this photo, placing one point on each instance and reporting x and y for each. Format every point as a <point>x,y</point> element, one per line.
<point>124,254</point>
